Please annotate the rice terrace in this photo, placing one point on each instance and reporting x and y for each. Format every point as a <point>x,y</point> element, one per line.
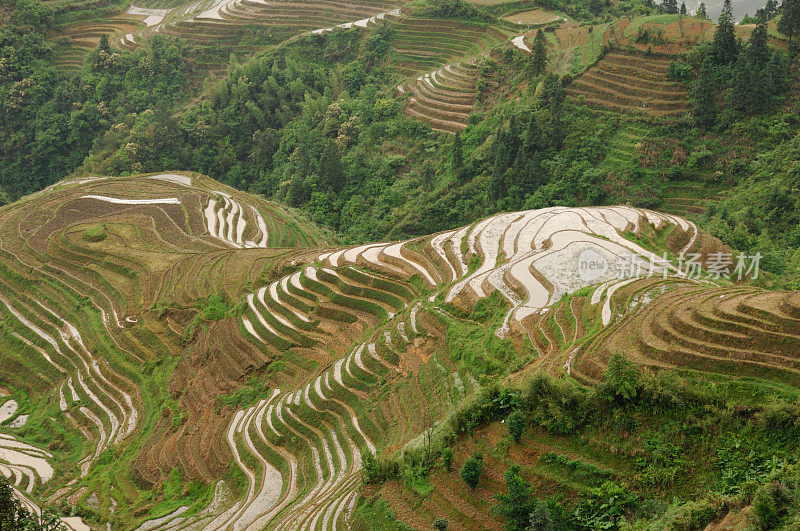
<point>399,264</point>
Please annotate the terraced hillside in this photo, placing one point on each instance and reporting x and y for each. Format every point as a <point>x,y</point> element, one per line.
<point>444,98</point>
<point>422,44</point>
<point>222,22</point>
<point>740,331</point>
<point>85,317</point>
<point>211,343</point>
<point>84,37</point>
<point>631,83</point>
<point>439,57</point>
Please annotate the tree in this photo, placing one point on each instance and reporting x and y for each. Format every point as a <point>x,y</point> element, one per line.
<point>622,379</point>
<point>103,44</point>
<point>670,6</point>
<point>778,73</point>
<point>541,520</point>
<point>753,87</point>
<point>762,93</point>
<point>553,92</point>
<point>378,470</point>
<point>789,23</point>
<point>458,156</point>
<point>771,8</point>
<point>739,95</point>
<point>704,97</point>
<point>528,162</point>
<point>14,516</point>
<point>471,470</point>
<point>539,55</point>
<point>504,153</point>
<point>725,48</point>
<point>516,423</point>
<point>683,8</point>
<point>331,173</point>
<point>758,52</point>
<point>517,503</point>
<point>701,11</point>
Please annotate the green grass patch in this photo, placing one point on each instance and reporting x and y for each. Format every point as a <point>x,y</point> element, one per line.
<point>95,233</point>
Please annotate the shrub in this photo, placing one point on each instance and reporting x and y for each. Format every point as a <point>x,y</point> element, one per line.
<point>447,458</point>
<point>471,470</point>
<point>515,423</point>
<point>378,470</point>
<point>32,13</point>
<point>559,406</point>
<point>491,404</point>
<point>416,478</point>
<point>454,9</point>
<point>679,71</point>
<point>214,308</point>
<point>441,524</point>
<point>770,504</point>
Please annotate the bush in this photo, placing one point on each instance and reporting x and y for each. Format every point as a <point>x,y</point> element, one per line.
<point>559,406</point>
<point>214,308</point>
<point>515,423</point>
<point>378,470</point>
<point>490,405</point>
<point>679,71</point>
<point>770,504</point>
<point>416,478</point>
<point>447,458</point>
<point>33,13</point>
<point>441,524</point>
<point>471,470</point>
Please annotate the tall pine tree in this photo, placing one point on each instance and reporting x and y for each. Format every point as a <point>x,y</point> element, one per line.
<point>701,11</point>
<point>725,47</point>
<point>458,157</point>
<point>741,91</point>
<point>771,9</point>
<point>502,160</point>
<point>778,73</point>
<point>758,52</point>
<point>789,24</point>
<point>331,173</point>
<point>539,56</point>
<point>683,8</point>
<point>670,7</point>
<point>752,89</point>
<point>704,97</point>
